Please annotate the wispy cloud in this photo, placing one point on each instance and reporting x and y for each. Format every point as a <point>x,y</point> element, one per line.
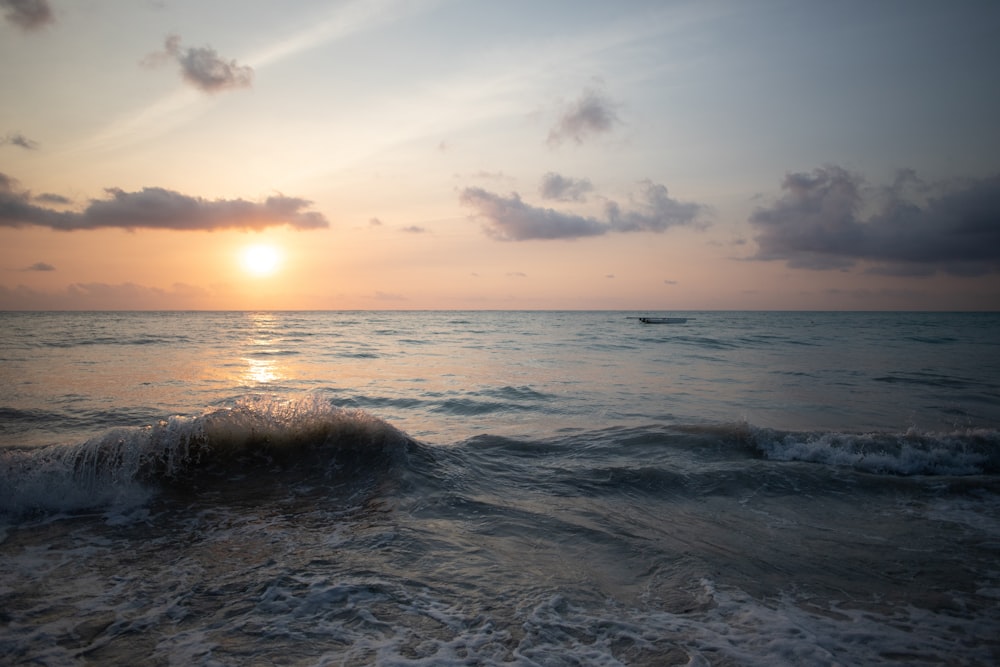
<point>28,14</point>
<point>157,208</point>
<point>103,296</point>
<point>508,218</point>
<point>185,104</point>
<point>593,113</point>
<point>18,139</point>
<point>913,228</point>
<point>202,67</point>
<point>39,266</point>
<point>51,198</point>
<point>414,229</point>
<point>560,188</point>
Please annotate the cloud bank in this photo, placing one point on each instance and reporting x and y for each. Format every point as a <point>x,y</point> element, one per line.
<point>157,208</point>
<point>590,115</point>
<point>829,219</point>
<point>202,67</point>
<point>508,218</point>
<point>105,296</point>
<point>28,14</point>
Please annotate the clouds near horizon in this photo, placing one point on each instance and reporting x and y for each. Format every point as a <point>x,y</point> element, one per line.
<point>509,218</point>
<point>831,219</point>
<point>202,67</point>
<point>28,14</point>
<point>103,296</point>
<point>39,266</point>
<point>157,208</point>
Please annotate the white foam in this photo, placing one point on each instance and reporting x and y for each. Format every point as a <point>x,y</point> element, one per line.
<point>967,452</point>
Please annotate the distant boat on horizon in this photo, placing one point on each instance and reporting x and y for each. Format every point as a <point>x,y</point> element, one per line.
<point>663,320</point>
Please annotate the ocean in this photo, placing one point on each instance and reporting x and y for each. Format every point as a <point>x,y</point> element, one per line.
<point>499,488</point>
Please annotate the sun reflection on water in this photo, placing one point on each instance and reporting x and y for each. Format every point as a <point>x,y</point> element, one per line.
<point>262,368</point>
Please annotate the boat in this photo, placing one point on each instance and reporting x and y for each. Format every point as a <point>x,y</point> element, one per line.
<point>663,320</point>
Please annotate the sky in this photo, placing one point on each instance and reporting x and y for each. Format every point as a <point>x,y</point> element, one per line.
<point>442,154</point>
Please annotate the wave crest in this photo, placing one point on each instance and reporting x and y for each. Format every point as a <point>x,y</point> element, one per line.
<point>257,433</point>
<point>913,452</point>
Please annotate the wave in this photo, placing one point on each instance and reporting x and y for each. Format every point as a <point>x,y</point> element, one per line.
<point>913,452</point>
<point>256,435</point>
<point>269,442</point>
<point>116,340</point>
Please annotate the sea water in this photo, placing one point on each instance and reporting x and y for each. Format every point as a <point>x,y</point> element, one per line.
<point>499,488</point>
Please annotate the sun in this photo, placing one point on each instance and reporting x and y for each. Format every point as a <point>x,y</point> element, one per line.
<point>261,260</point>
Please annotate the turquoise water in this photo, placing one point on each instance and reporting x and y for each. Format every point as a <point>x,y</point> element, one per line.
<point>499,488</point>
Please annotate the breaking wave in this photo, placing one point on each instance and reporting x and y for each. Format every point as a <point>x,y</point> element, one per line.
<point>257,434</point>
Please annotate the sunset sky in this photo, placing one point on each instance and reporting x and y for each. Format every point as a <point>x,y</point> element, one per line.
<point>413,154</point>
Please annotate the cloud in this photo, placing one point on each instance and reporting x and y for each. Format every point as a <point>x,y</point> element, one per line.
<point>560,188</point>
<point>592,114</point>
<point>18,139</point>
<point>414,229</point>
<point>104,296</point>
<point>202,67</point>
<point>50,198</point>
<point>157,208</point>
<point>830,219</point>
<point>510,219</point>
<point>28,14</point>
<point>39,266</point>
<point>656,211</point>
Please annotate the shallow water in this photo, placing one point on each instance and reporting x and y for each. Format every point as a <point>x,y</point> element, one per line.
<point>499,488</point>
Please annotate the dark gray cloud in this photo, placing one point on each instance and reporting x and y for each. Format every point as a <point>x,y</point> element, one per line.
<point>830,219</point>
<point>414,229</point>
<point>157,208</point>
<point>561,188</point>
<point>40,266</point>
<point>592,114</point>
<point>510,219</point>
<point>28,14</point>
<point>18,139</point>
<point>202,67</point>
<point>655,212</point>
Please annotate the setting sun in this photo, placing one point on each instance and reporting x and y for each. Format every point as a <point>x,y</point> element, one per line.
<point>261,260</point>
